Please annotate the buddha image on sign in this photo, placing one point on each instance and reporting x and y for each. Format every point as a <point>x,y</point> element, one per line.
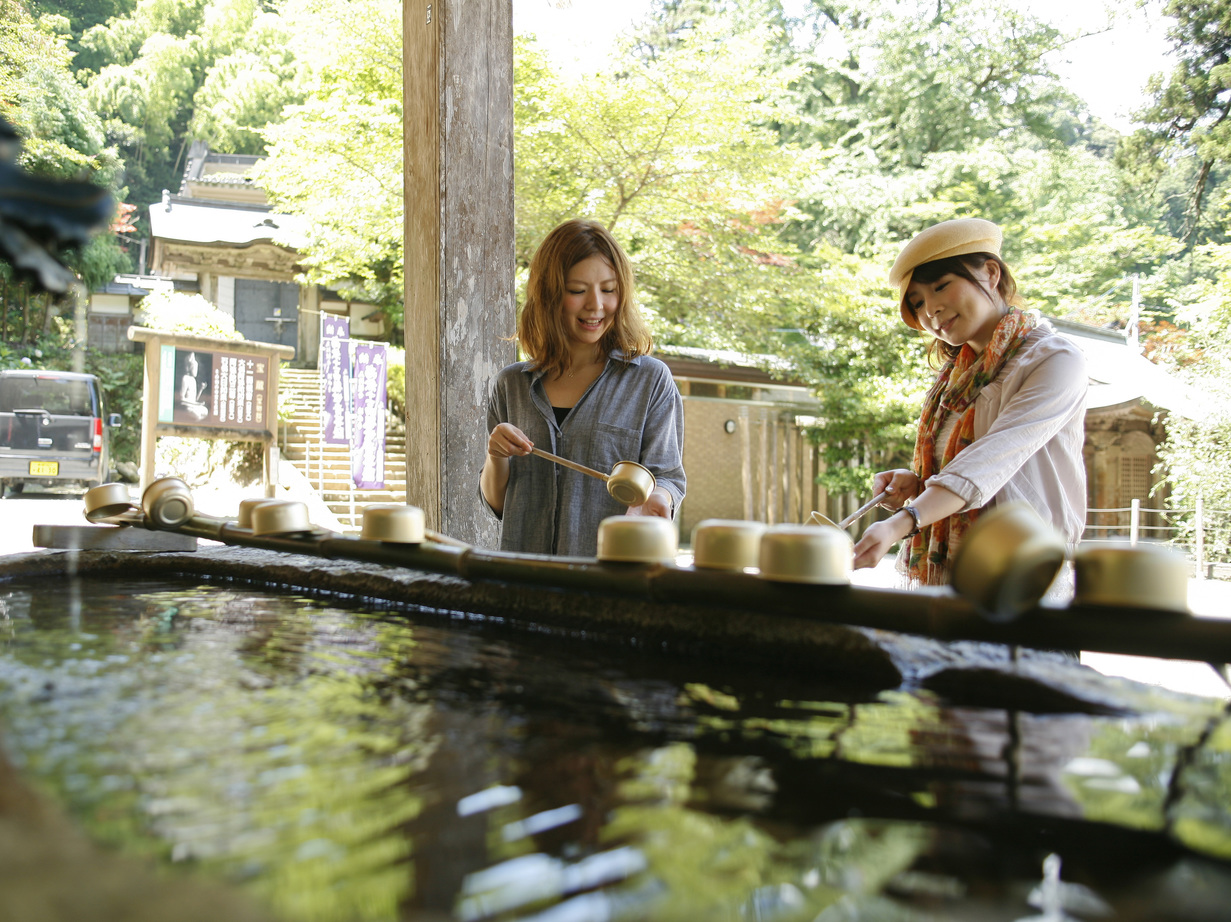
<point>194,383</point>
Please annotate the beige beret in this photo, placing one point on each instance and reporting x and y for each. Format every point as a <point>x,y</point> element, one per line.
<point>940,241</point>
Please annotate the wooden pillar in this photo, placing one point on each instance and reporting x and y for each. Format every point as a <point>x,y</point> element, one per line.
<point>458,145</point>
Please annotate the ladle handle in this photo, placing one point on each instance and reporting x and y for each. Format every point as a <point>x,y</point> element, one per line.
<point>443,539</point>
<point>565,462</point>
<point>863,510</point>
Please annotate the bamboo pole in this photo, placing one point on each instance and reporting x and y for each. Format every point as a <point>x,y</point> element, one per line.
<point>938,614</point>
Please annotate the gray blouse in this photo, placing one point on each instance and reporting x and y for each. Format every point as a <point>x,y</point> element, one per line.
<point>632,412</point>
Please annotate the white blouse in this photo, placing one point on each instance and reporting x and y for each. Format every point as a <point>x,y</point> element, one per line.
<point>1029,429</point>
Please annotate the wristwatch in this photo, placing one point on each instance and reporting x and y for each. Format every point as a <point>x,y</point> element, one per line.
<point>914,514</point>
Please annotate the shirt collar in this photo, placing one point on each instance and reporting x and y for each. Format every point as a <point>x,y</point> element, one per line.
<point>618,354</point>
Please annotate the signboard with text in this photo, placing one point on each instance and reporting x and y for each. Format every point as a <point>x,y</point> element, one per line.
<point>222,390</point>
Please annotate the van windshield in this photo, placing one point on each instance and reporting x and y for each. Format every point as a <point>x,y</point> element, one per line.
<point>58,396</point>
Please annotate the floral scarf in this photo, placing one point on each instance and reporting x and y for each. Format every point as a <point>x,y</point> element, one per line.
<point>930,553</point>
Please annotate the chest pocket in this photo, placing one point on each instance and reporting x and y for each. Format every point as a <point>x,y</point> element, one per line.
<point>615,443</point>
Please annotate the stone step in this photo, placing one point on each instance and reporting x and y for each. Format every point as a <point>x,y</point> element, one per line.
<point>300,431</point>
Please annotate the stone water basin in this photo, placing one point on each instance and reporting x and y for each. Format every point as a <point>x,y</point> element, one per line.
<point>336,749</point>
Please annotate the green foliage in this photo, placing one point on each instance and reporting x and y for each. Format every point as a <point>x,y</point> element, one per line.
<point>350,193</point>
<point>395,387</point>
<point>867,370</point>
<point>177,312</point>
<point>1186,124</point>
<point>171,71</point>
<point>674,157</point>
<point>120,375</point>
<point>1198,443</point>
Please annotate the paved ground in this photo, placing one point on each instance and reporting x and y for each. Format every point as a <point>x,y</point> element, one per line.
<point>1207,598</point>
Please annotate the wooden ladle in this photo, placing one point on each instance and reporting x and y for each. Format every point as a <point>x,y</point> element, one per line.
<point>629,482</point>
<point>855,516</point>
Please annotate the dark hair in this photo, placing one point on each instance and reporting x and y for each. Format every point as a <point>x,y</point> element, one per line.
<point>963,266</point>
<point>540,326</point>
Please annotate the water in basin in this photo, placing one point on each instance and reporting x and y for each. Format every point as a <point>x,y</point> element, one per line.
<point>347,759</point>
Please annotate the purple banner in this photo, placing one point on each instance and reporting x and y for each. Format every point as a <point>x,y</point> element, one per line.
<point>368,442</point>
<point>335,379</point>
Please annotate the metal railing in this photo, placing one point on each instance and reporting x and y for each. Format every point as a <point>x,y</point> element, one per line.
<point>1189,528</point>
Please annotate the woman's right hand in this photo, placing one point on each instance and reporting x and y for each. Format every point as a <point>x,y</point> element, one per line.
<point>901,485</point>
<point>507,441</point>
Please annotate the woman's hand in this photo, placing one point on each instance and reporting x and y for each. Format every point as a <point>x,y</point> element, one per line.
<point>504,442</point>
<point>932,505</point>
<point>881,536</point>
<point>900,484</point>
<point>507,441</point>
<point>658,503</point>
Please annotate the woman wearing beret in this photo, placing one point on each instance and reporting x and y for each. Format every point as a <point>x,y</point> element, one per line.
<point>1004,419</point>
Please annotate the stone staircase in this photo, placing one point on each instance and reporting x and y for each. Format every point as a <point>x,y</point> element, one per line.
<point>327,467</point>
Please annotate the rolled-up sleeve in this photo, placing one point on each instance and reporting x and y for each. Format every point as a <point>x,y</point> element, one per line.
<point>497,413</point>
<point>662,444</point>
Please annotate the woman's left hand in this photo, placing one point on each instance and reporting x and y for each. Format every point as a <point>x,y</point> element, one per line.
<point>658,503</point>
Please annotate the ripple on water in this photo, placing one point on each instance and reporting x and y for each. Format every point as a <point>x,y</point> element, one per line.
<point>350,764</point>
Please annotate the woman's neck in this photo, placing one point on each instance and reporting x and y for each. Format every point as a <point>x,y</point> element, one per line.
<point>584,356</point>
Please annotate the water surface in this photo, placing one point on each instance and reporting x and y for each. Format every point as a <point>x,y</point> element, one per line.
<point>346,761</point>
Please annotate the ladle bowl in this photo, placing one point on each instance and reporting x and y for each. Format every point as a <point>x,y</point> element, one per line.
<point>1134,576</point>
<point>629,483</point>
<point>280,517</point>
<point>821,555</point>
<point>726,544</point>
<point>107,500</point>
<point>637,539</point>
<point>167,503</point>
<point>244,518</point>
<point>1007,560</point>
<point>394,523</point>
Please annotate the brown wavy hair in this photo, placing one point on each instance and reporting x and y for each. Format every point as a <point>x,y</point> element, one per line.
<point>965,265</point>
<point>540,324</point>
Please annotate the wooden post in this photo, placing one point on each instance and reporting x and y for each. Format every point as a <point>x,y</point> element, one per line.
<point>458,138</point>
<point>1199,547</point>
<point>149,409</point>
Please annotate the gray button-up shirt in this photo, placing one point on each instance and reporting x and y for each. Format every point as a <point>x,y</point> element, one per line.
<point>632,412</point>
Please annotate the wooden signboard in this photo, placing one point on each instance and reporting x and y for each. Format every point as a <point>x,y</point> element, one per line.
<point>199,387</point>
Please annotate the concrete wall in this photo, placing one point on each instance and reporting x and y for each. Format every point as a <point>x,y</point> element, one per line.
<point>762,470</point>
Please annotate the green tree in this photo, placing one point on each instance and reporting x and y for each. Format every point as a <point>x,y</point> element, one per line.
<point>173,71</point>
<point>62,139</point>
<point>674,154</point>
<point>1190,109</point>
<point>1198,442</point>
<point>336,159</point>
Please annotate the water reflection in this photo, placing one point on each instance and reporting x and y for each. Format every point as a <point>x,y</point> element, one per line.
<point>347,765</point>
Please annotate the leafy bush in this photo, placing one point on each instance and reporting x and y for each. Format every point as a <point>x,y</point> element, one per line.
<point>121,377</point>
<point>178,312</point>
<point>396,388</point>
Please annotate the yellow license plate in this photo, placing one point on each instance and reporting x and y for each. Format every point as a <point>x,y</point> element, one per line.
<point>44,468</point>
